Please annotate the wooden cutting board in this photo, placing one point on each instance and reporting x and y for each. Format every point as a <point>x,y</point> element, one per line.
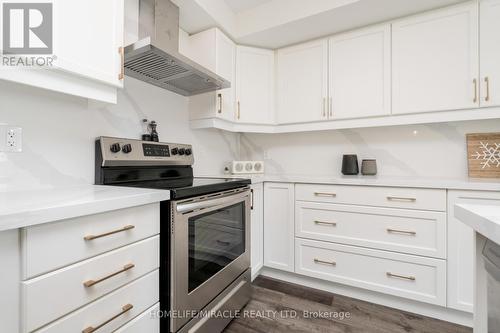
<point>483,155</point>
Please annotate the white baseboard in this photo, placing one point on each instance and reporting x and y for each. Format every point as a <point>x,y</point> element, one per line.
<point>424,309</point>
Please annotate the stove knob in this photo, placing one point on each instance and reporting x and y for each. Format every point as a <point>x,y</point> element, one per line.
<point>115,147</point>
<point>182,151</point>
<point>127,148</point>
<point>175,151</point>
<point>188,151</point>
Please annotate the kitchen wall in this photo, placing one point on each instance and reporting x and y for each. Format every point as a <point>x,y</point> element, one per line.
<point>424,151</point>
<point>59,132</point>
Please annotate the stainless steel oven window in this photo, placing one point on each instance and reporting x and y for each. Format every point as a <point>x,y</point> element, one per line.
<point>215,240</point>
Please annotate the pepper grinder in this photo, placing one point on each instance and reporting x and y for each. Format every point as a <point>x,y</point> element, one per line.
<point>154,133</point>
<point>145,129</point>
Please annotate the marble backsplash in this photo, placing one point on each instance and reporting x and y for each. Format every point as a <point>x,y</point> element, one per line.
<point>413,151</point>
<point>59,132</point>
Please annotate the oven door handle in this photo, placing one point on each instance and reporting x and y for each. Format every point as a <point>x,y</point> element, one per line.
<point>186,207</point>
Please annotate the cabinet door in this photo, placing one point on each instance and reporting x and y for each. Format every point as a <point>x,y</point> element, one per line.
<point>360,69</point>
<point>490,52</point>
<point>257,229</point>
<point>302,82</point>
<point>226,66</point>
<point>461,249</point>
<point>279,226</point>
<point>89,47</point>
<point>254,85</point>
<point>435,61</point>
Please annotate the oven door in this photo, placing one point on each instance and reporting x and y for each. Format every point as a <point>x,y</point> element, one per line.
<point>210,249</point>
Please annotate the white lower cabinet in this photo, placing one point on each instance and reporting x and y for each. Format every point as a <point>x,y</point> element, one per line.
<point>257,229</point>
<point>400,230</point>
<point>86,281</point>
<point>418,278</point>
<point>120,307</point>
<point>143,323</point>
<point>10,256</point>
<point>461,249</point>
<point>279,226</point>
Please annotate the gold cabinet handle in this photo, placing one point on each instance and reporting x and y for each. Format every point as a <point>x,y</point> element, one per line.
<point>397,276</point>
<point>121,50</point>
<point>126,308</point>
<point>125,268</point>
<point>322,262</point>
<point>475,90</point>
<point>325,194</point>
<point>487,81</point>
<point>239,108</point>
<point>396,231</point>
<point>220,102</point>
<point>330,107</point>
<point>333,224</point>
<point>92,237</point>
<point>401,199</point>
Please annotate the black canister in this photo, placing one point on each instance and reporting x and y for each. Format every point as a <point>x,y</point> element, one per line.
<point>350,165</point>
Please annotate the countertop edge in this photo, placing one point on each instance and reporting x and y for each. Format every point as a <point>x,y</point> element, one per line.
<point>480,223</point>
<point>54,214</point>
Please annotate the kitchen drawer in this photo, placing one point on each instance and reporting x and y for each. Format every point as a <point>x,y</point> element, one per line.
<point>401,230</point>
<point>418,278</point>
<point>143,323</point>
<point>140,294</point>
<point>395,197</point>
<point>55,294</point>
<point>51,246</point>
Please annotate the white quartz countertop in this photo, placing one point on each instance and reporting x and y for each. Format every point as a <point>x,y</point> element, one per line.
<point>24,208</point>
<point>484,219</point>
<point>438,183</point>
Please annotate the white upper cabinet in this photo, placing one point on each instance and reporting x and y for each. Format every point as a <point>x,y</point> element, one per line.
<point>254,85</point>
<point>435,61</point>
<point>360,70</point>
<point>215,51</point>
<point>87,53</point>
<point>302,82</point>
<point>90,47</point>
<point>490,52</point>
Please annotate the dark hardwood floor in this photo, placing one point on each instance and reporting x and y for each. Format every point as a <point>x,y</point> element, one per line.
<point>277,306</point>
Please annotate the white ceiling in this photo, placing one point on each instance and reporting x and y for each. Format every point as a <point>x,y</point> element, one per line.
<point>238,6</point>
<point>276,23</point>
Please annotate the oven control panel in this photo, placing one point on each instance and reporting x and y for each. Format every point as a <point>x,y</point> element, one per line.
<point>118,151</point>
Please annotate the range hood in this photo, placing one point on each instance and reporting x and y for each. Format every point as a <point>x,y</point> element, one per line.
<point>155,58</point>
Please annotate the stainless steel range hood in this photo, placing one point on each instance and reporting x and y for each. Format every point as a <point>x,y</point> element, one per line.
<point>155,58</point>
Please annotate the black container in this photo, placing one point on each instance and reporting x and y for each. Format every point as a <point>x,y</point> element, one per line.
<point>350,165</point>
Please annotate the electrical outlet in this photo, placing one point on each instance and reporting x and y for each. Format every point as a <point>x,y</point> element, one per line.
<point>11,139</point>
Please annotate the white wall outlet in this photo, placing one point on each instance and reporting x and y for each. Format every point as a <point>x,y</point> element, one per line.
<point>11,139</point>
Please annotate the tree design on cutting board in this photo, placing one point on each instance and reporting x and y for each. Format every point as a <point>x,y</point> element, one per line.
<point>488,154</point>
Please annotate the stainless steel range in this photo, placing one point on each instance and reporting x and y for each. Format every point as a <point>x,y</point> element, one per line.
<point>204,232</point>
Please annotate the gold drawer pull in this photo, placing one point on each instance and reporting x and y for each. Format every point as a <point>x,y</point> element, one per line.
<point>125,309</point>
<point>411,278</point>
<point>401,199</point>
<point>474,100</point>
<point>90,283</point>
<point>487,81</point>
<point>331,263</point>
<point>395,231</point>
<point>219,96</point>
<point>333,224</point>
<point>325,194</point>
<point>121,76</point>
<point>125,228</point>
